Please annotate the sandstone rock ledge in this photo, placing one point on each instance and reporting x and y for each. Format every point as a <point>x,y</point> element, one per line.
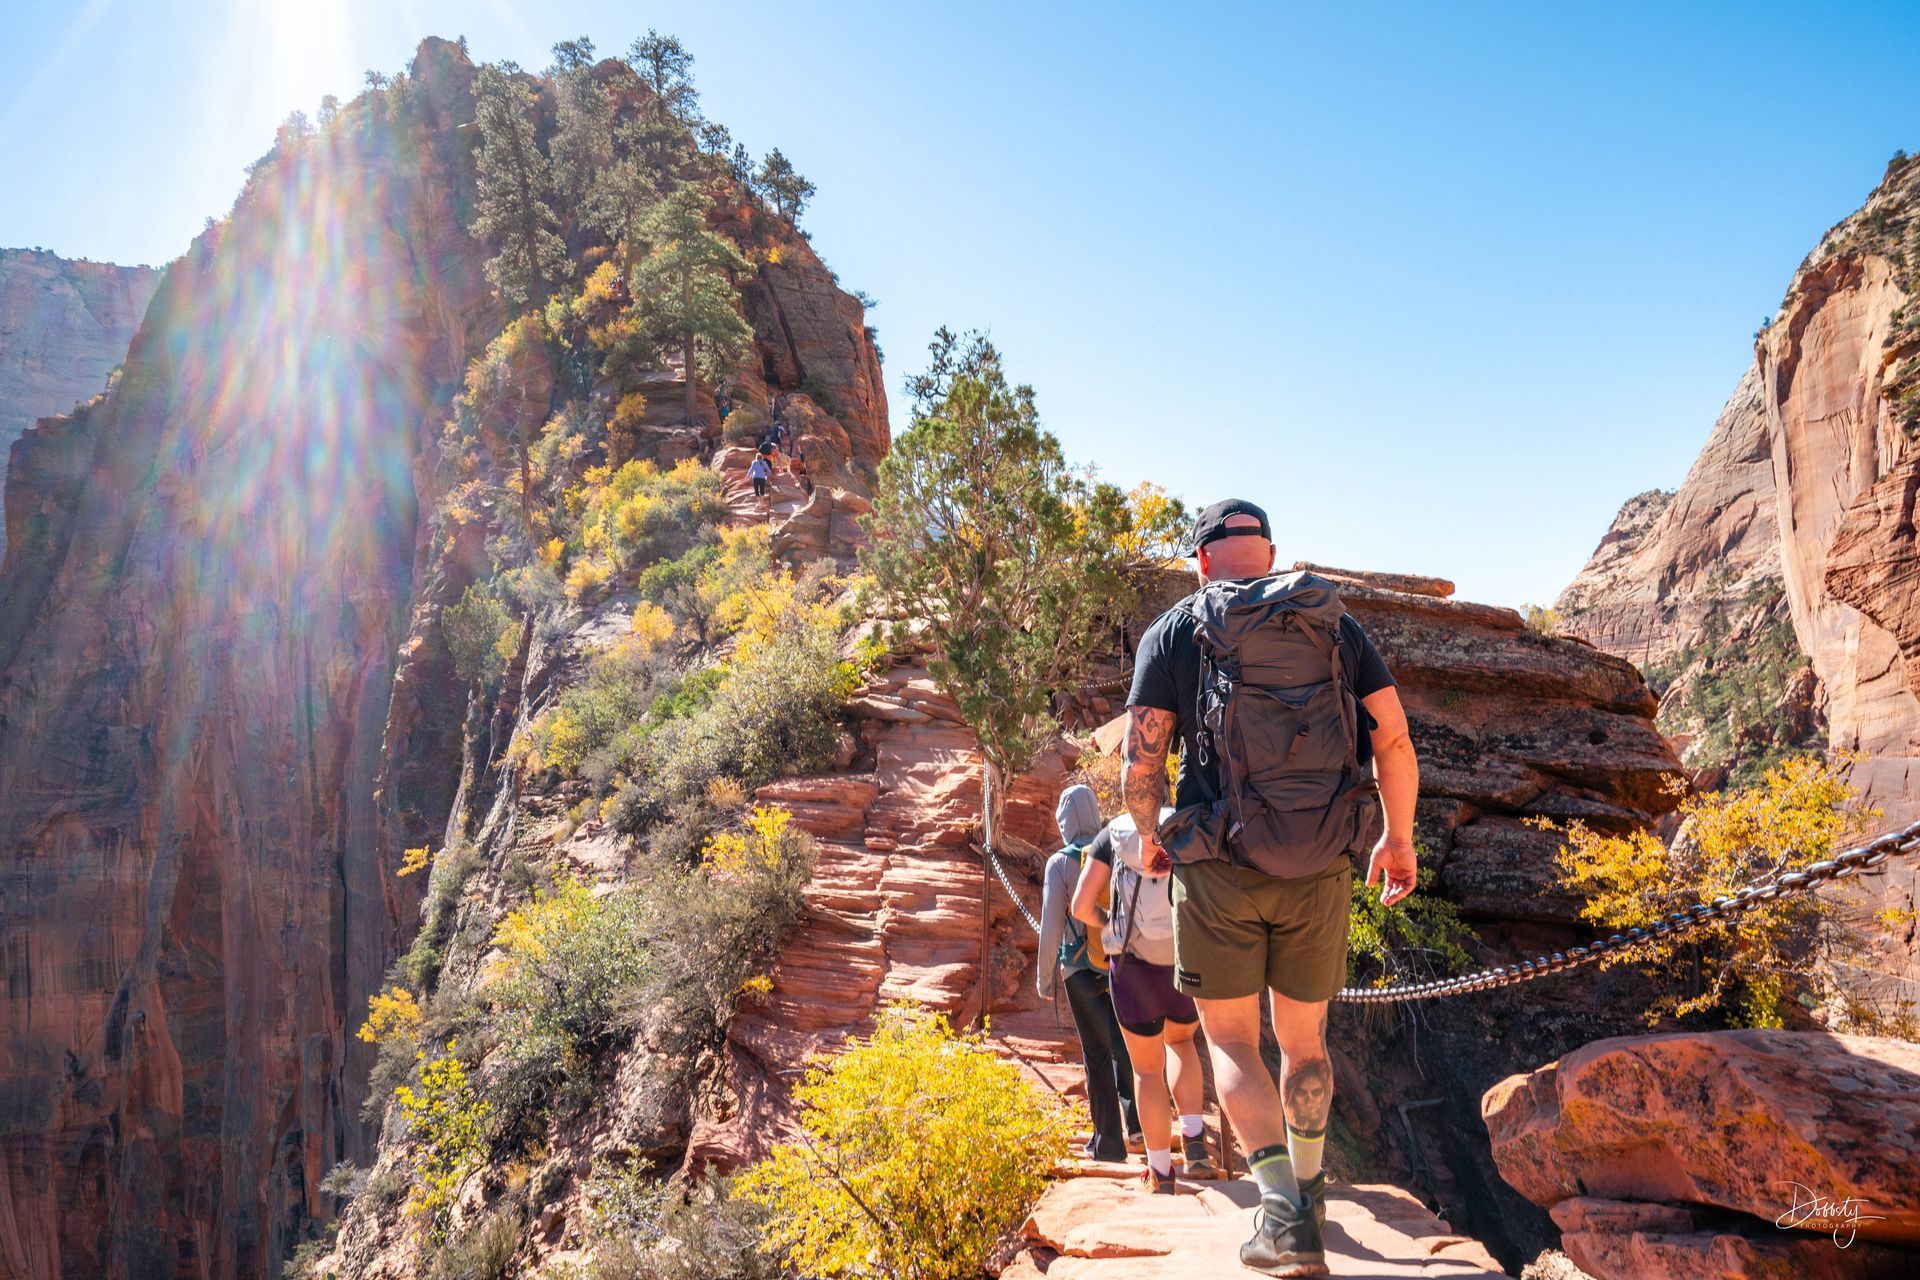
<point>1696,1154</point>
<point>1101,1229</point>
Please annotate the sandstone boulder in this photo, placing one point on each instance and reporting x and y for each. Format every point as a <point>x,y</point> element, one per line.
<point>1663,1139</point>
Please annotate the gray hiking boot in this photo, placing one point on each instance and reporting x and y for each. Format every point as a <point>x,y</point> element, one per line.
<point>1286,1241</point>
<point>1314,1192</point>
<point>1199,1163</point>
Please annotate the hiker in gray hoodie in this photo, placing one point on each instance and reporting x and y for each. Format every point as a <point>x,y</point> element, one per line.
<point>1063,957</point>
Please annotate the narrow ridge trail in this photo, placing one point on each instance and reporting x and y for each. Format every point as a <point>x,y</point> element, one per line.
<point>1102,1226</point>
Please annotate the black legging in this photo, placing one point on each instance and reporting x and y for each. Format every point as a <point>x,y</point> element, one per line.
<point>1109,1071</point>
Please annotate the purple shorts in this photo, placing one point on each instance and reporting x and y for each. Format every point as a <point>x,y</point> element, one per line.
<point>1144,997</point>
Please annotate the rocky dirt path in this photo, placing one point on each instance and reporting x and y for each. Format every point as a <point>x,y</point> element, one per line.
<point>1105,1228</point>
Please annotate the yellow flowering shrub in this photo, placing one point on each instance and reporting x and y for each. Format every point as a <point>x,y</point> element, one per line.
<point>416,859</point>
<point>758,845</point>
<point>640,514</point>
<point>447,1121</point>
<point>922,1147</point>
<point>630,412</point>
<point>1157,525</point>
<point>586,577</point>
<point>392,1014</point>
<point>1728,840</point>
<point>566,960</point>
<point>652,626</point>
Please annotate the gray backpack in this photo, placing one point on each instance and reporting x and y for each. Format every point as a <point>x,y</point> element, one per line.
<point>1276,710</point>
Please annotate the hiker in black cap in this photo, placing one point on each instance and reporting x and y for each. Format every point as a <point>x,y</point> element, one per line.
<point>1280,703</point>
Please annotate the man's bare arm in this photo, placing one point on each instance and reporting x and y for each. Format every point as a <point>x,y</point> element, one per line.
<point>1143,775</point>
<point>1398,770</point>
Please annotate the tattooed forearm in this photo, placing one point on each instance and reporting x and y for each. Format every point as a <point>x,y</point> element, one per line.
<point>1143,777</point>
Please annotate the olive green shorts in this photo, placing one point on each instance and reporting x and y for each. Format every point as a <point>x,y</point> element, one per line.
<point>1236,930</point>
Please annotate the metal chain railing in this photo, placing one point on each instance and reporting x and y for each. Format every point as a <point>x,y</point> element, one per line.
<point>1842,865</point>
<point>1001,873</point>
<point>1867,857</point>
<point>1113,684</point>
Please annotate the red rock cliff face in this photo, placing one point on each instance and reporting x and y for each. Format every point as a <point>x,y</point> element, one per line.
<point>1805,489</point>
<point>63,327</point>
<point>1801,484</point>
<point>224,704</point>
<point>207,576</point>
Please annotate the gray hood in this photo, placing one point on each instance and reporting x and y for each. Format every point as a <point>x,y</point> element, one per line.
<point>1078,815</point>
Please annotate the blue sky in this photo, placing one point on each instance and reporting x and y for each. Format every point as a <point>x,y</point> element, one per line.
<point>1440,284</point>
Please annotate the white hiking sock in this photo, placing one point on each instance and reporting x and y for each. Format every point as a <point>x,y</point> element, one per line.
<point>1192,1126</point>
<point>1161,1161</point>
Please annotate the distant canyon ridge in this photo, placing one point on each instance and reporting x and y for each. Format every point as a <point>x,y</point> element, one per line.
<point>64,326</point>
<point>1774,598</point>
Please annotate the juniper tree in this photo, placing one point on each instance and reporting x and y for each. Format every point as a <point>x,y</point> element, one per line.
<point>981,532</point>
<point>782,184</point>
<point>515,192</point>
<point>684,287</point>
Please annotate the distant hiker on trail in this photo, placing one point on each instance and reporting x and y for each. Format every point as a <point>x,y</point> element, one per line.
<point>1065,951</point>
<point>797,468</point>
<point>1279,702</point>
<point>760,471</point>
<point>1132,907</point>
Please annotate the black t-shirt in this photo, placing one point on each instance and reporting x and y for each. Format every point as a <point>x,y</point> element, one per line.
<point>1100,848</point>
<point>1166,676</point>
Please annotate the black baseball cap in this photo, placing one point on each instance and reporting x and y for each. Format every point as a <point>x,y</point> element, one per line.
<point>1212,523</point>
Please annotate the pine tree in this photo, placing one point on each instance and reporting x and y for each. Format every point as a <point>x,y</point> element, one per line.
<point>781,183</point>
<point>665,128</point>
<point>515,190</point>
<point>666,68</point>
<point>982,532</point>
<point>684,287</point>
<point>582,146</point>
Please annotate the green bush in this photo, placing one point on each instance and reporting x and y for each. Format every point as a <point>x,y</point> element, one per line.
<point>480,634</point>
<point>773,713</point>
<point>717,927</point>
<point>483,1252</point>
<point>1415,939</point>
<point>599,721</point>
<point>421,965</point>
<point>642,1229</point>
<point>570,963</point>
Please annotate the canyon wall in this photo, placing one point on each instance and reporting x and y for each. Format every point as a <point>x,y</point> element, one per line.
<point>1795,514</point>
<point>225,704</point>
<point>64,326</point>
<point>1772,597</point>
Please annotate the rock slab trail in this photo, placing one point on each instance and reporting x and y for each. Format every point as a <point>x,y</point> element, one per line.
<point>1102,1228</point>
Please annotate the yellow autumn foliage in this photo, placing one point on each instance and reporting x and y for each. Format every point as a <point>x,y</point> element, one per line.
<point>922,1148</point>
<point>446,1121</point>
<point>416,859</point>
<point>1793,817</point>
<point>758,846</point>
<point>392,1014</point>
